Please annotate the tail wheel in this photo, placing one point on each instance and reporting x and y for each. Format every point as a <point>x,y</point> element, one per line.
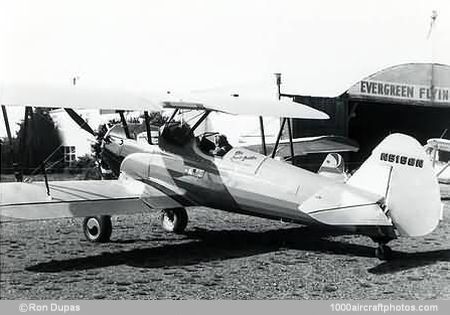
<point>97,229</point>
<point>383,252</point>
<point>174,220</point>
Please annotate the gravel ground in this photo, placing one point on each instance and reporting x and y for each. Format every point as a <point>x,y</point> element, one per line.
<point>221,256</point>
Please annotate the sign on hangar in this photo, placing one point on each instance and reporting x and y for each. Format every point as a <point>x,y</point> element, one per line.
<point>426,84</point>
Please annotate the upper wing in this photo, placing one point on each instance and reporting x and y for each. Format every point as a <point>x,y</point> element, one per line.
<point>440,144</point>
<point>18,94</point>
<point>248,105</point>
<point>79,199</point>
<point>15,94</point>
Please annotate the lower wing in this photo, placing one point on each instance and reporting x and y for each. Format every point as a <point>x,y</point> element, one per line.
<point>319,144</point>
<point>308,145</point>
<point>30,201</point>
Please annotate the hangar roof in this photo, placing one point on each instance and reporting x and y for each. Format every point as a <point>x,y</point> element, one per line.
<point>412,83</point>
<point>409,83</point>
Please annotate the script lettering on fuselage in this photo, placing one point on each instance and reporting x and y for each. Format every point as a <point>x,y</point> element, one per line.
<point>401,159</point>
<point>242,157</point>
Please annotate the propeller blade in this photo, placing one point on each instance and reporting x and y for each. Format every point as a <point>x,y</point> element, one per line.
<point>79,120</point>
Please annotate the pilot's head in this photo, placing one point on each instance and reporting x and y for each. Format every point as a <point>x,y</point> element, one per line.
<point>220,140</point>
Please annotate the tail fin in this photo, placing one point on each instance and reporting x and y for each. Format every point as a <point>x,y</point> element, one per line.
<point>333,167</point>
<point>400,170</point>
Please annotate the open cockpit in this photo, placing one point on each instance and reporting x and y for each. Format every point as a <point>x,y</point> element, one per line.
<point>180,134</point>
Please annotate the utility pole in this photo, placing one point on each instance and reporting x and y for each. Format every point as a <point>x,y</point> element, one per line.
<point>289,120</point>
<point>434,16</point>
<point>278,77</point>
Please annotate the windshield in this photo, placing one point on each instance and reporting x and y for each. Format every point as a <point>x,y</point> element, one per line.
<point>136,131</point>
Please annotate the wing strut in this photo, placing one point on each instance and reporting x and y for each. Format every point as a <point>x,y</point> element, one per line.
<point>201,119</point>
<point>44,171</point>
<point>11,148</point>
<point>8,130</point>
<point>147,127</point>
<point>173,115</point>
<point>290,139</point>
<point>124,124</point>
<point>280,133</point>
<point>263,136</point>
<point>443,169</point>
<point>22,145</point>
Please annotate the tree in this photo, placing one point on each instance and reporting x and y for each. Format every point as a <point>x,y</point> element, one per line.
<point>7,155</point>
<point>156,119</point>
<point>40,143</point>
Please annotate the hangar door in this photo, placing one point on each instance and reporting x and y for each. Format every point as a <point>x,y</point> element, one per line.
<point>371,122</point>
<point>411,98</point>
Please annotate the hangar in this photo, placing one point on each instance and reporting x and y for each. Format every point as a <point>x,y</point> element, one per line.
<point>411,98</point>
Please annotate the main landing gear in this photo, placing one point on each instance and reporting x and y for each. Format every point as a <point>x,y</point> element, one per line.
<point>383,252</point>
<point>97,229</point>
<point>174,220</point>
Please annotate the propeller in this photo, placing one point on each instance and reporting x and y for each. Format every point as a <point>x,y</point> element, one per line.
<point>98,135</point>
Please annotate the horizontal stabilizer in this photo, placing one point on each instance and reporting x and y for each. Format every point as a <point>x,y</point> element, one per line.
<point>340,204</point>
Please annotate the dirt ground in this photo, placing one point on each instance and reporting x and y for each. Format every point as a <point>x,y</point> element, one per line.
<point>221,256</point>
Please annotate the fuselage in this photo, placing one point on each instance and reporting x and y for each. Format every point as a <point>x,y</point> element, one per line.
<point>241,181</point>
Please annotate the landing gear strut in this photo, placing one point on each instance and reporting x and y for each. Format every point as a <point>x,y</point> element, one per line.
<point>97,229</point>
<point>174,220</point>
<point>383,252</point>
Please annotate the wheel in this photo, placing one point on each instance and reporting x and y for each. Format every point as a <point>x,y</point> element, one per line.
<point>97,229</point>
<point>174,220</point>
<point>383,252</point>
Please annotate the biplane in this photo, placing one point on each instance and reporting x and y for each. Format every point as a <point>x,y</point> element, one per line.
<point>439,153</point>
<point>394,193</point>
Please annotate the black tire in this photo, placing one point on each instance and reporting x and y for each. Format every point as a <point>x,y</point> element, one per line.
<point>97,229</point>
<point>383,252</point>
<point>174,220</point>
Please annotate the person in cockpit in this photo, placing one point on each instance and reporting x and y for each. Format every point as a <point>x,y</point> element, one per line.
<point>206,145</point>
<point>222,145</point>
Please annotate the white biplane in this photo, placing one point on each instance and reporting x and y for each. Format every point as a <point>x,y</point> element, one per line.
<point>394,193</point>
<point>439,153</point>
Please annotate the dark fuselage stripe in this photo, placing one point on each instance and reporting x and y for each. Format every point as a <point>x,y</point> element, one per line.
<point>180,199</point>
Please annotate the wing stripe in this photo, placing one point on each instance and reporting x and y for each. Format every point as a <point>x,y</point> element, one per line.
<point>342,208</point>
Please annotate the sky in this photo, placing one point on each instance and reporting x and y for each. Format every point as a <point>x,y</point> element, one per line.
<point>319,46</point>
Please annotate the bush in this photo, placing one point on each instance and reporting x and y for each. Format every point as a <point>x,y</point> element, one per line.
<point>82,164</point>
